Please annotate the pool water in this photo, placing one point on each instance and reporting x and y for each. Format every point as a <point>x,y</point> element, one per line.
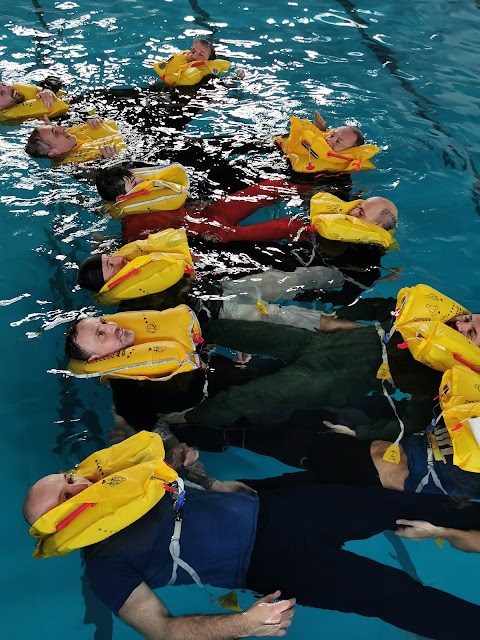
<point>405,72</point>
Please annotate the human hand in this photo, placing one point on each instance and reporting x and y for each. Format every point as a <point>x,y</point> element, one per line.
<point>211,237</point>
<point>240,74</point>
<point>418,530</point>
<point>328,322</point>
<point>395,274</point>
<point>94,123</point>
<point>319,122</point>
<point>46,120</point>
<point>230,486</point>
<point>120,433</point>
<point>175,418</point>
<point>340,428</point>
<point>182,456</point>
<point>47,97</point>
<point>108,151</point>
<point>269,618</point>
<point>242,358</point>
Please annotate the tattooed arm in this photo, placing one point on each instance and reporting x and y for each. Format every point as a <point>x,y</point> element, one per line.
<point>185,460</point>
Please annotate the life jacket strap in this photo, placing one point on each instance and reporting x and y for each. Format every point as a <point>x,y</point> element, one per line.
<point>431,473</point>
<point>174,547</point>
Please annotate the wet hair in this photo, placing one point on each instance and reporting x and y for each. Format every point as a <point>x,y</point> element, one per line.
<point>110,183</point>
<point>51,82</point>
<point>35,146</point>
<point>386,219</point>
<point>72,349</point>
<point>208,44</point>
<point>360,137</point>
<point>90,274</point>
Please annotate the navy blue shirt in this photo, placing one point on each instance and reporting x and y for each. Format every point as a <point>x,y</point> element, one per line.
<point>218,533</point>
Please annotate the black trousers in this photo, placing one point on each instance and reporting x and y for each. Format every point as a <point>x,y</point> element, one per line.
<point>303,442</point>
<point>298,550</point>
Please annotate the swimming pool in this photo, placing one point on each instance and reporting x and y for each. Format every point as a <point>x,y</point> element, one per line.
<point>405,72</point>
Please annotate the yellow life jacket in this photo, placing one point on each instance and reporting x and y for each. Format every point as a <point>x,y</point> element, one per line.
<point>155,264</point>
<point>329,216</point>
<point>308,151</point>
<point>160,189</point>
<point>32,107</point>
<point>459,385</point>
<point>420,316</point>
<point>90,140</point>
<point>463,424</point>
<point>129,479</point>
<point>176,71</point>
<point>164,346</point>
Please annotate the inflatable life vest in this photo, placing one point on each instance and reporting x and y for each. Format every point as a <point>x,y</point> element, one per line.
<point>32,107</point>
<point>463,424</point>
<point>329,216</point>
<point>90,140</point>
<point>160,189</point>
<point>176,71</point>
<point>155,264</point>
<point>459,385</point>
<point>308,151</point>
<point>421,313</point>
<point>459,396</point>
<point>129,479</point>
<point>164,346</point>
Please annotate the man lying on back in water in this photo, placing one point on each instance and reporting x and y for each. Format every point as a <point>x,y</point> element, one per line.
<point>234,541</point>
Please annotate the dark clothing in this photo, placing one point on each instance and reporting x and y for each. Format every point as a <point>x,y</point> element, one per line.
<point>329,457</point>
<point>297,548</point>
<point>140,402</point>
<point>216,540</point>
<point>307,560</point>
<point>455,481</point>
<point>321,369</point>
<point>318,369</point>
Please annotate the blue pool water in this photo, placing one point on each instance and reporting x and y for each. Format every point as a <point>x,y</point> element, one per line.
<point>405,72</point>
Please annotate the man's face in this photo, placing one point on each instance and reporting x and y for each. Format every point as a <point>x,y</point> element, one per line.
<point>9,97</point>
<point>51,491</point>
<point>58,140</point>
<point>468,326</point>
<point>111,265</point>
<point>199,51</point>
<point>101,338</point>
<point>341,138</point>
<point>370,209</point>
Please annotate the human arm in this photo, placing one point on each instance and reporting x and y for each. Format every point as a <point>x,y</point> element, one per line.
<point>371,309</point>
<point>147,614</point>
<point>183,458</point>
<point>329,323</point>
<point>468,541</point>
<point>415,413</point>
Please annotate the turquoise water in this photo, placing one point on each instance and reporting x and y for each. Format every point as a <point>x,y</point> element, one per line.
<point>406,73</point>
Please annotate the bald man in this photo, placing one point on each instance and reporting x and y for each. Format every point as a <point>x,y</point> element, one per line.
<point>232,541</point>
<point>376,210</point>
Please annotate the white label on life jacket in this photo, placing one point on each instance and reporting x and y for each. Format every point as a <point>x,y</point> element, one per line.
<point>474,424</point>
